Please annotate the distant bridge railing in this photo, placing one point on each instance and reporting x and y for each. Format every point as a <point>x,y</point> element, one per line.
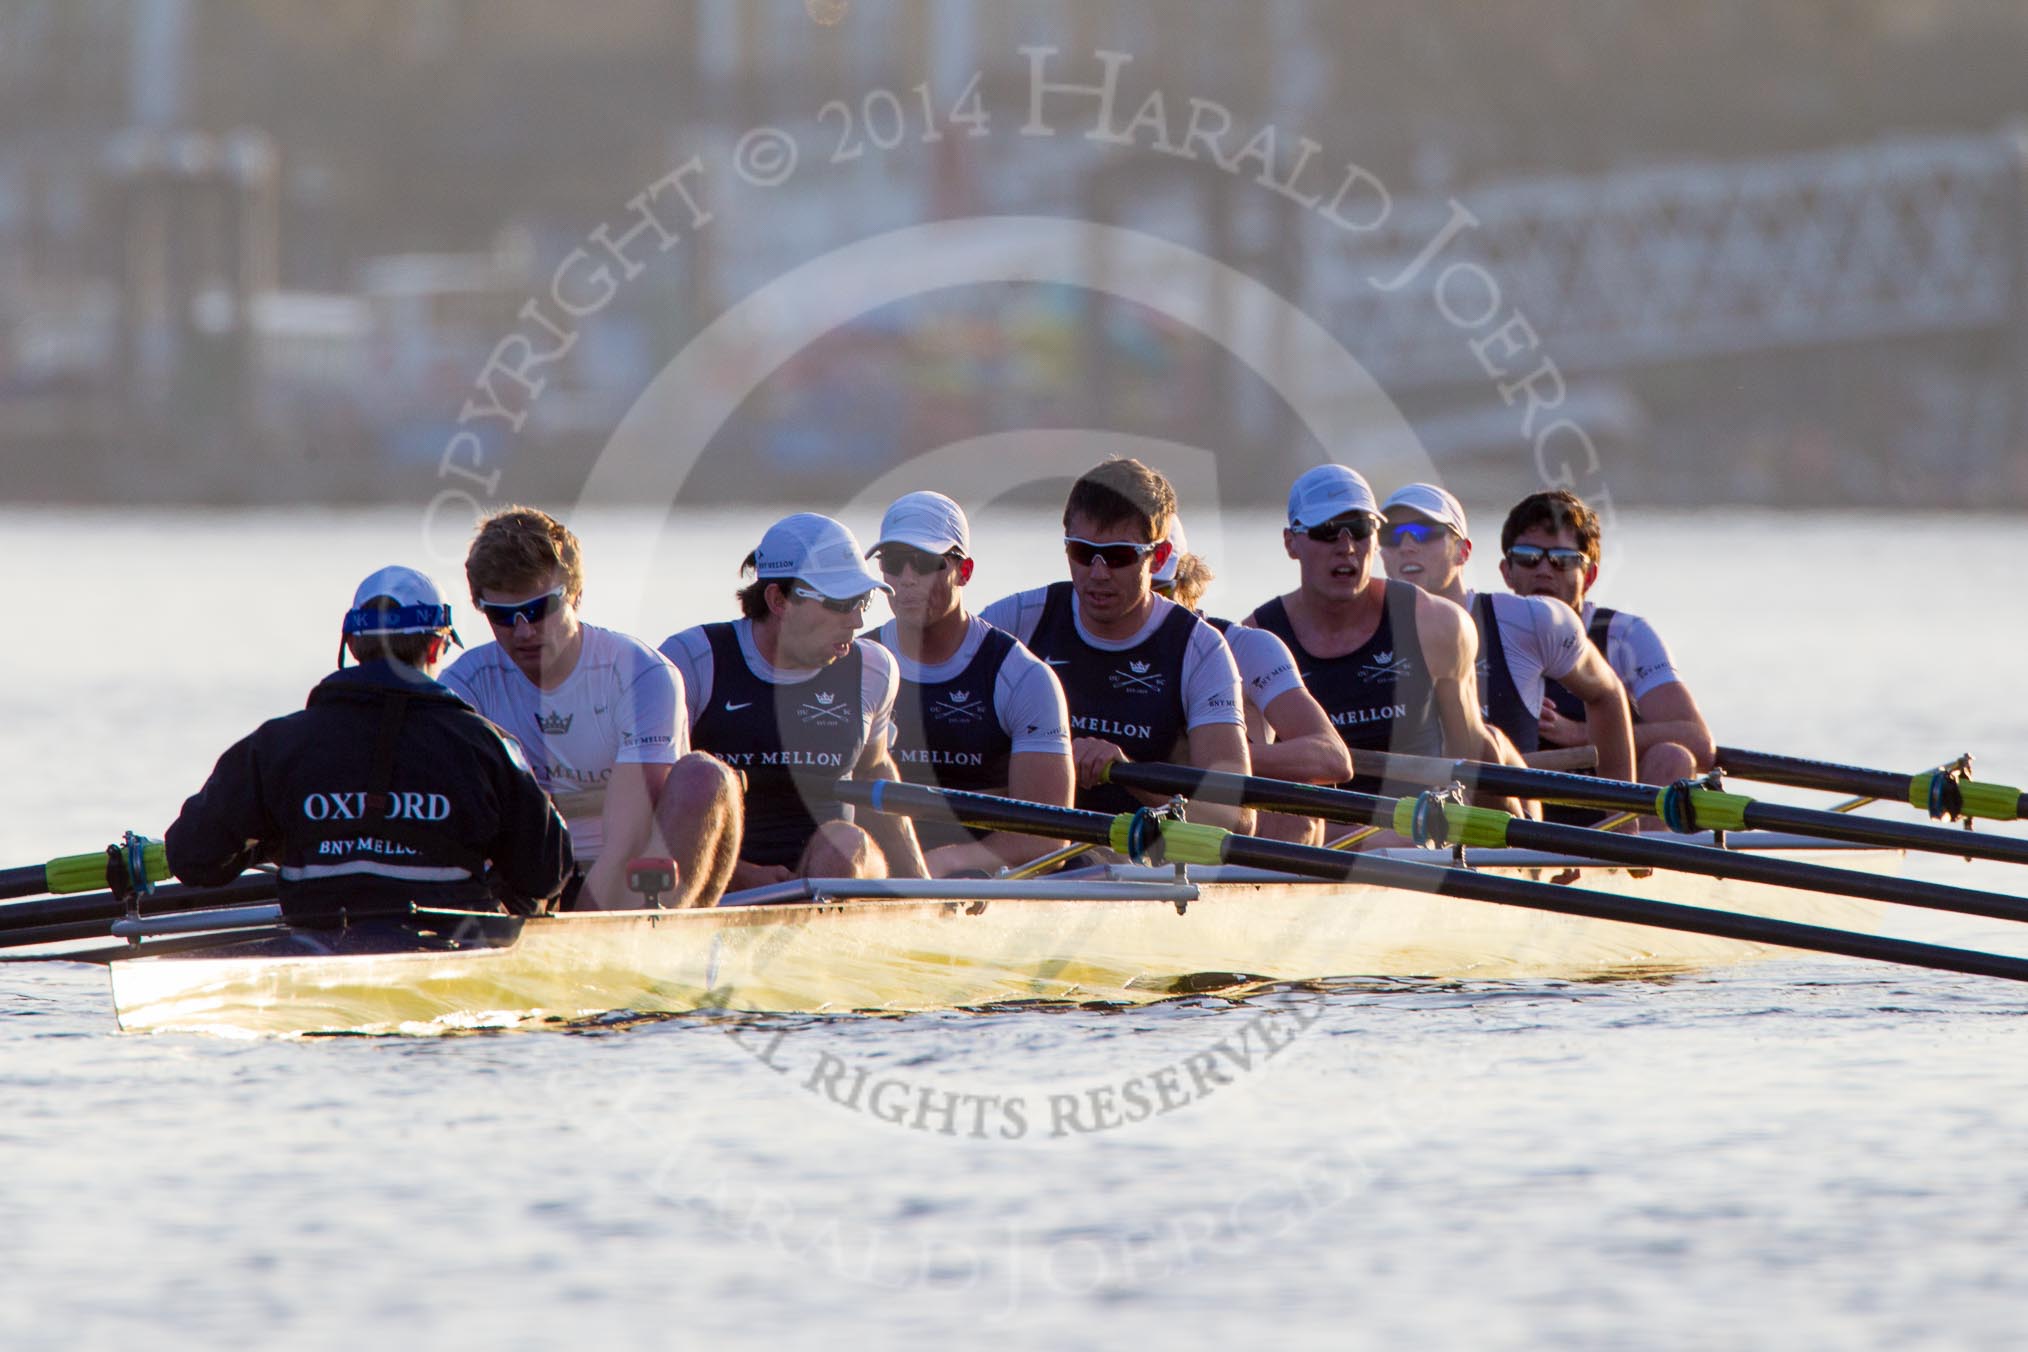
<point>1908,236</point>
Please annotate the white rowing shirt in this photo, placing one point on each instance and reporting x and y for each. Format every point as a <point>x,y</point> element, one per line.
<point>690,650</point>
<point>1209,679</point>
<point>1543,638</point>
<point>622,705</point>
<point>1267,669</point>
<point>1028,702</point>
<point>1636,653</point>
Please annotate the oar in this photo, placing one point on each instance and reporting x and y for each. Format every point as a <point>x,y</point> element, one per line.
<point>1936,792</point>
<point>1136,833</point>
<point>1690,809</point>
<point>91,916</point>
<point>73,873</point>
<point>1486,828</point>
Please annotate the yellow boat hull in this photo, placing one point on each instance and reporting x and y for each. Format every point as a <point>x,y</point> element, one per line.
<point>1134,938</point>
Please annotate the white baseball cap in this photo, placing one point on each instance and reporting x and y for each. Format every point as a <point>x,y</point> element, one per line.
<point>420,607</point>
<point>1179,545</point>
<point>928,521</point>
<point>1433,502</point>
<point>821,552</point>
<point>1326,493</point>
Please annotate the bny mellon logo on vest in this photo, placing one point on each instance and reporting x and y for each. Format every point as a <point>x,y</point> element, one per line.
<point>1136,679</point>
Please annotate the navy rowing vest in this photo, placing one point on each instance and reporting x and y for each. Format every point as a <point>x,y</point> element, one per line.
<point>947,733</point>
<point>1499,697</point>
<point>1379,697</point>
<point>1569,705</point>
<point>775,734</point>
<point>1133,699</point>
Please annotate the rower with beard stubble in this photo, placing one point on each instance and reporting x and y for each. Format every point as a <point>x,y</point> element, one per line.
<point>1145,678</point>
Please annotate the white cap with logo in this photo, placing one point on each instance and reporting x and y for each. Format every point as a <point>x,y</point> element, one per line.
<point>1326,493</point>
<point>1436,503</point>
<point>419,607</point>
<point>821,552</point>
<point>928,521</point>
<point>1179,545</point>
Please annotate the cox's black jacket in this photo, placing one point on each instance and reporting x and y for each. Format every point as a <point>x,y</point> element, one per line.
<point>386,789</point>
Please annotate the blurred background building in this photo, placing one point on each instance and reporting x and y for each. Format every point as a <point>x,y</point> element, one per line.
<point>259,250</point>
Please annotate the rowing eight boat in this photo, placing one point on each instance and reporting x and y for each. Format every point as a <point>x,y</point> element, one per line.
<point>1116,934</point>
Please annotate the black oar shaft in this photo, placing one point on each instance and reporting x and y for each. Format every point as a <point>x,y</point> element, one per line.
<point>1808,774</point>
<point>1579,901</point>
<point>1338,866</point>
<point>1544,784</point>
<point>1829,777</point>
<point>1638,851</point>
<point>24,882</point>
<point>95,910</point>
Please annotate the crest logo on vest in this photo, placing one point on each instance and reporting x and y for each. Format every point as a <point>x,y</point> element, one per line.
<point>959,707</point>
<point>826,710</point>
<point>1385,667</point>
<point>555,724</point>
<point>1138,680</point>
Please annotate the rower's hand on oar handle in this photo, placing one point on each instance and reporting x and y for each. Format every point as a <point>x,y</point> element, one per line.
<point>747,874</point>
<point>1091,756</point>
<point>1556,730</point>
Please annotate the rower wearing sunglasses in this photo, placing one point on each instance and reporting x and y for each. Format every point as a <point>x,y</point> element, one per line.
<point>1289,736</point>
<point>976,710</point>
<point>787,695</point>
<point>1552,544</point>
<point>600,716</point>
<point>1393,666</point>
<point>1145,678</point>
<point>1524,641</point>
<point>385,792</point>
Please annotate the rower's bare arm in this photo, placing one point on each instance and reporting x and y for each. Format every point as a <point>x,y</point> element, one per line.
<point>1608,724</point>
<point>1221,746</point>
<point>1306,748</point>
<point>1450,648</point>
<point>895,835</point>
<point>1670,714</point>
<point>625,826</point>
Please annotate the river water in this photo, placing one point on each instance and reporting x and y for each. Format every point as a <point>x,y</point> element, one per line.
<point>1799,1153</point>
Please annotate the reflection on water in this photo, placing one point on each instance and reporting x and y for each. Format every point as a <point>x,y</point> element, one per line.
<point>1803,1152</point>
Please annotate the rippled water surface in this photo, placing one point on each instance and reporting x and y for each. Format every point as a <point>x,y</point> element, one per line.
<point>1805,1153</point>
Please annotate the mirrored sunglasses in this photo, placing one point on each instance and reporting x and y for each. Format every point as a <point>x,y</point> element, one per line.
<point>1397,533</point>
<point>535,609</point>
<point>1115,554</point>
